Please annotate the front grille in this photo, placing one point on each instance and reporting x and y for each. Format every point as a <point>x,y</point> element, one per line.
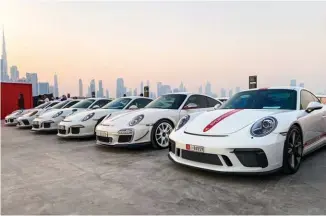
<point>171,146</point>
<point>252,157</point>
<point>6,120</point>
<point>46,125</point>
<point>26,122</point>
<point>75,130</point>
<point>36,126</point>
<point>201,157</point>
<point>227,160</point>
<point>11,120</point>
<point>60,131</point>
<point>124,138</point>
<point>104,139</point>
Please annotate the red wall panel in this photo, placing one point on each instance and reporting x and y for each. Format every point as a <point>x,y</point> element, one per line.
<point>9,97</point>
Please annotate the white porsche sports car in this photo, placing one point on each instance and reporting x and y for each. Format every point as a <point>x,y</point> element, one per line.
<point>44,122</point>
<point>83,124</point>
<point>53,118</point>
<point>256,131</point>
<point>154,123</point>
<point>25,121</point>
<point>11,119</point>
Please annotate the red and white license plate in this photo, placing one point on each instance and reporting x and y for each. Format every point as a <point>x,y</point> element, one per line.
<point>195,148</point>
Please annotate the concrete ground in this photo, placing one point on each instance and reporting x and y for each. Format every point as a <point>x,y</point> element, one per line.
<point>42,174</point>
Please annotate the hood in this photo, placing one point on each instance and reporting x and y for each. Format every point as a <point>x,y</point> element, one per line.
<point>226,121</point>
<point>99,113</point>
<point>151,115</point>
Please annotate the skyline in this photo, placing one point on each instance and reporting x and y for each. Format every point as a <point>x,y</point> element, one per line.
<point>220,42</point>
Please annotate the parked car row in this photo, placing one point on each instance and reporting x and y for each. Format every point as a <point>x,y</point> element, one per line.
<point>255,131</point>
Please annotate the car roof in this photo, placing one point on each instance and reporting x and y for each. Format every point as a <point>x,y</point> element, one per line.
<point>187,93</point>
<point>135,97</point>
<point>296,88</point>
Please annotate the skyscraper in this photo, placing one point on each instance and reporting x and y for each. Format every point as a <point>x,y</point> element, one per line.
<point>32,78</point>
<point>14,73</point>
<point>293,82</point>
<point>51,89</point>
<point>100,89</point>
<point>4,63</point>
<point>301,85</point>
<point>120,88</point>
<point>230,93</point>
<point>159,85</point>
<point>80,88</point>
<point>223,92</point>
<point>44,88</point>
<point>208,89</point>
<point>56,87</point>
<point>92,87</point>
<point>107,93</point>
<point>141,87</point>
<point>135,92</point>
<point>200,90</point>
<point>181,87</point>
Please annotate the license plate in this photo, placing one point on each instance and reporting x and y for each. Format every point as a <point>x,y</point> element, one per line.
<point>61,127</point>
<point>195,148</point>
<point>102,133</point>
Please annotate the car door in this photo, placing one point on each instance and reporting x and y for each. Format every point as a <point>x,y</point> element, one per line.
<point>139,102</point>
<point>194,103</point>
<point>312,124</point>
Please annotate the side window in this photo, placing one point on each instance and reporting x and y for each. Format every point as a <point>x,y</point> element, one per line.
<point>140,103</point>
<point>199,100</point>
<point>211,102</point>
<point>305,99</point>
<point>100,103</point>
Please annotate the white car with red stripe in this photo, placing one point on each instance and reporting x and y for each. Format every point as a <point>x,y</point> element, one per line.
<point>154,123</point>
<point>260,130</point>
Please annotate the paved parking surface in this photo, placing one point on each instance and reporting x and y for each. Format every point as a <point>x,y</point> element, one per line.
<point>42,174</point>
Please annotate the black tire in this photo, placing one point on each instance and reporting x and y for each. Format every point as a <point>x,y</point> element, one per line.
<point>157,126</point>
<point>292,152</point>
<point>99,121</point>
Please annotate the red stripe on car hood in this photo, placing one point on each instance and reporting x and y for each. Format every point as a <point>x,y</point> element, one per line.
<point>220,118</point>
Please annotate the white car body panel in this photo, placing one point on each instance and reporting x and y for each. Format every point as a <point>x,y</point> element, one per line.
<point>141,132</point>
<point>11,119</point>
<point>233,132</point>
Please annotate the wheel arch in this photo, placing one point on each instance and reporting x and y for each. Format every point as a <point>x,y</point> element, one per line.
<point>166,119</point>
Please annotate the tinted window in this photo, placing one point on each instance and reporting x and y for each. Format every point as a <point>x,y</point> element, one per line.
<point>101,103</point>
<point>84,104</point>
<point>71,103</point>
<point>119,103</point>
<point>140,103</point>
<point>263,99</point>
<point>171,101</point>
<point>199,100</point>
<point>53,103</point>
<point>43,105</point>
<point>60,105</point>
<point>211,102</point>
<point>305,98</point>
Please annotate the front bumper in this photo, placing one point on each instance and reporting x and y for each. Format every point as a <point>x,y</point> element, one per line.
<point>114,136</point>
<point>234,154</point>
<point>11,121</point>
<point>44,125</point>
<point>76,129</point>
<point>25,122</point>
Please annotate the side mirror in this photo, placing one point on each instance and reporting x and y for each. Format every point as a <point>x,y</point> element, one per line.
<point>96,107</point>
<point>190,106</point>
<point>132,107</point>
<point>313,106</point>
<point>217,106</point>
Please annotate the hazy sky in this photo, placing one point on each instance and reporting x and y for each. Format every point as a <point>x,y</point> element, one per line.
<point>220,42</point>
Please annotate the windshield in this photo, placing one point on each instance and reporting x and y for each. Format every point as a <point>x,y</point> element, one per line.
<point>60,105</point>
<point>84,104</point>
<point>172,101</point>
<point>263,99</point>
<point>119,103</point>
<point>41,106</point>
<point>71,103</point>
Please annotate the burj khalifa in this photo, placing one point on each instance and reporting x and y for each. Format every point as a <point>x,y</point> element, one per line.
<point>4,64</point>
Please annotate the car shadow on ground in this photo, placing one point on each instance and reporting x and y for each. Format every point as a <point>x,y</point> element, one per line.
<point>126,149</point>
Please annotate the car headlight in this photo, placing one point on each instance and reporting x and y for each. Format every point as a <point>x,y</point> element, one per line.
<point>183,121</point>
<point>88,117</point>
<point>32,113</point>
<point>263,127</point>
<point>136,120</point>
<point>57,114</point>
